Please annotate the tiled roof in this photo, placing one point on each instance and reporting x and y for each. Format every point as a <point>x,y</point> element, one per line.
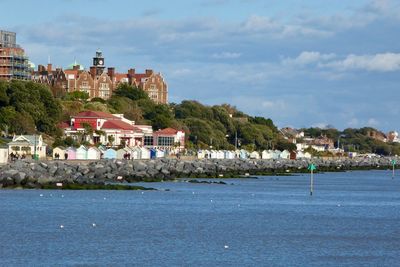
<point>166,131</point>
<point>120,125</point>
<point>95,114</point>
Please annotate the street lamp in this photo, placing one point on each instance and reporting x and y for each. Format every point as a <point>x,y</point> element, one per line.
<point>34,149</point>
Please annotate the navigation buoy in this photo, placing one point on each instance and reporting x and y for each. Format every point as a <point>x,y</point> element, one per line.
<point>61,226</point>
<point>94,225</point>
<point>226,246</point>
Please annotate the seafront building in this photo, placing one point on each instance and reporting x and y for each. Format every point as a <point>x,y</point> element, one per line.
<point>115,130</point>
<point>14,63</point>
<point>100,81</point>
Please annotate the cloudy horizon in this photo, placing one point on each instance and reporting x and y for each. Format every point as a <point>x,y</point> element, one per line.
<point>300,64</point>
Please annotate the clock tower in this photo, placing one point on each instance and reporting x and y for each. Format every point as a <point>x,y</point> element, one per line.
<point>98,62</point>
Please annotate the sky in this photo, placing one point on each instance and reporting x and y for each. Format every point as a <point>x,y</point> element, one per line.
<point>300,63</point>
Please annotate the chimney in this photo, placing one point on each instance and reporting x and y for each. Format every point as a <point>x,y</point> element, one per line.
<point>111,72</point>
<point>149,72</point>
<point>49,67</point>
<point>131,73</point>
<point>41,68</point>
<point>93,72</point>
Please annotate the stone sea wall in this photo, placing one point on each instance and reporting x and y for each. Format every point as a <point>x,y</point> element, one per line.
<point>35,174</point>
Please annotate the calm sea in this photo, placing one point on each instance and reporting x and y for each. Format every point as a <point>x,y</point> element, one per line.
<point>353,219</point>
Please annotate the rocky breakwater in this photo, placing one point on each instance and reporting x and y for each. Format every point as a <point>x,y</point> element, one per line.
<point>39,174</point>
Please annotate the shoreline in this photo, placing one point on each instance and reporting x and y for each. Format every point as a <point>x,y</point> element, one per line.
<point>115,174</point>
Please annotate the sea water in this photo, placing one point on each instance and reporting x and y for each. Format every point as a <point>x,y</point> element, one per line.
<point>353,219</point>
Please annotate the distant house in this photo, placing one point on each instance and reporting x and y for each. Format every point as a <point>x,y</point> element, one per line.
<point>27,145</point>
<point>169,138</point>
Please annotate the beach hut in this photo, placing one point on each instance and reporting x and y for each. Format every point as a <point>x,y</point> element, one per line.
<point>307,155</point>
<point>60,151</point>
<point>160,153</point>
<point>207,154</point>
<point>153,153</point>
<point>81,153</point>
<point>229,154</point>
<point>293,155</point>
<point>3,155</point>
<point>110,154</point>
<point>93,153</point>
<point>201,154</point>
<point>70,153</point>
<point>276,154</point>
<point>255,155</point>
<point>220,154</point>
<point>145,153</point>
<point>267,154</point>
<point>102,151</point>
<point>213,154</point>
<point>123,153</point>
<point>243,154</point>
<point>284,154</point>
<point>135,152</point>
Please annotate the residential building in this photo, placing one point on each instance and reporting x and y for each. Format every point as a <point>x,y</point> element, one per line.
<point>114,130</point>
<point>14,63</point>
<point>101,82</point>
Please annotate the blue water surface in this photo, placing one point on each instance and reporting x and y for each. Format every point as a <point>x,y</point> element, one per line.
<point>353,219</point>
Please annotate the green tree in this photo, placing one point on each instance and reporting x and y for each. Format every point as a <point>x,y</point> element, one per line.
<point>131,92</point>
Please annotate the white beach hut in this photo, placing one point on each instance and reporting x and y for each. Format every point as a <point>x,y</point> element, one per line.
<point>267,154</point>
<point>123,152</point>
<point>93,153</point>
<point>81,153</point>
<point>201,154</point>
<point>145,153</point>
<point>3,155</point>
<point>60,151</point>
<point>135,152</point>
<point>284,154</point>
<point>214,154</point>
<point>276,154</point>
<point>229,154</point>
<point>220,154</point>
<point>255,155</point>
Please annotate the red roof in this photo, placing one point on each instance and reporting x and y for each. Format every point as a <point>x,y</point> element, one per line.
<point>139,77</point>
<point>63,125</point>
<point>120,76</point>
<point>95,114</point>
<point>166,131</point>
<point>119,125</point>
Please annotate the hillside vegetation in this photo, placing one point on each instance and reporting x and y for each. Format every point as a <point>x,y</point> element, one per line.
<point>27,107</point>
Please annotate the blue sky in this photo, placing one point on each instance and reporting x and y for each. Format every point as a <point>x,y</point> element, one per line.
<point>301,63</point>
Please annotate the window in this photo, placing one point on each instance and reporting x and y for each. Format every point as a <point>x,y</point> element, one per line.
<point>148,140</point>
<point>104,86</point>
<point>165,141</point>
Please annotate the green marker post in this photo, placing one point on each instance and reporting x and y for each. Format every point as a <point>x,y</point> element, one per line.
<point>393,165</point>
<point>311,167</point>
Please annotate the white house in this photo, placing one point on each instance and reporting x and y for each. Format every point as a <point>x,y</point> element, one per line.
<point>27,145</point>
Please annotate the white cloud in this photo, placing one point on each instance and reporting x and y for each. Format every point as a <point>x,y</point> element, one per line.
<point>379,62</point>
<point>372,122</point>
<point>308,57</point>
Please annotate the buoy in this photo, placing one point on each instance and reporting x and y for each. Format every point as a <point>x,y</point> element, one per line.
<point>226,246</point>
<point>142,193</point>
<point>41,195</point>
<point>211,200</point>
<point>192,193</point>
<point>61,226</point>
<point>104,198</point>
<point>62,195</point>
<point>94,225</point>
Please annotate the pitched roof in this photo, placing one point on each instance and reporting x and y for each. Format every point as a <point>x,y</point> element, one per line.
<point>95,114</point>
<point>166,131</point>
<point>120,125</point>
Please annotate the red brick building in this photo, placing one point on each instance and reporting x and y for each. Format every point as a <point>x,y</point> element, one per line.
<point>101,82</point>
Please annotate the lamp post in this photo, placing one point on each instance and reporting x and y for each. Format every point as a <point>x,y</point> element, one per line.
<point>34,149</point>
